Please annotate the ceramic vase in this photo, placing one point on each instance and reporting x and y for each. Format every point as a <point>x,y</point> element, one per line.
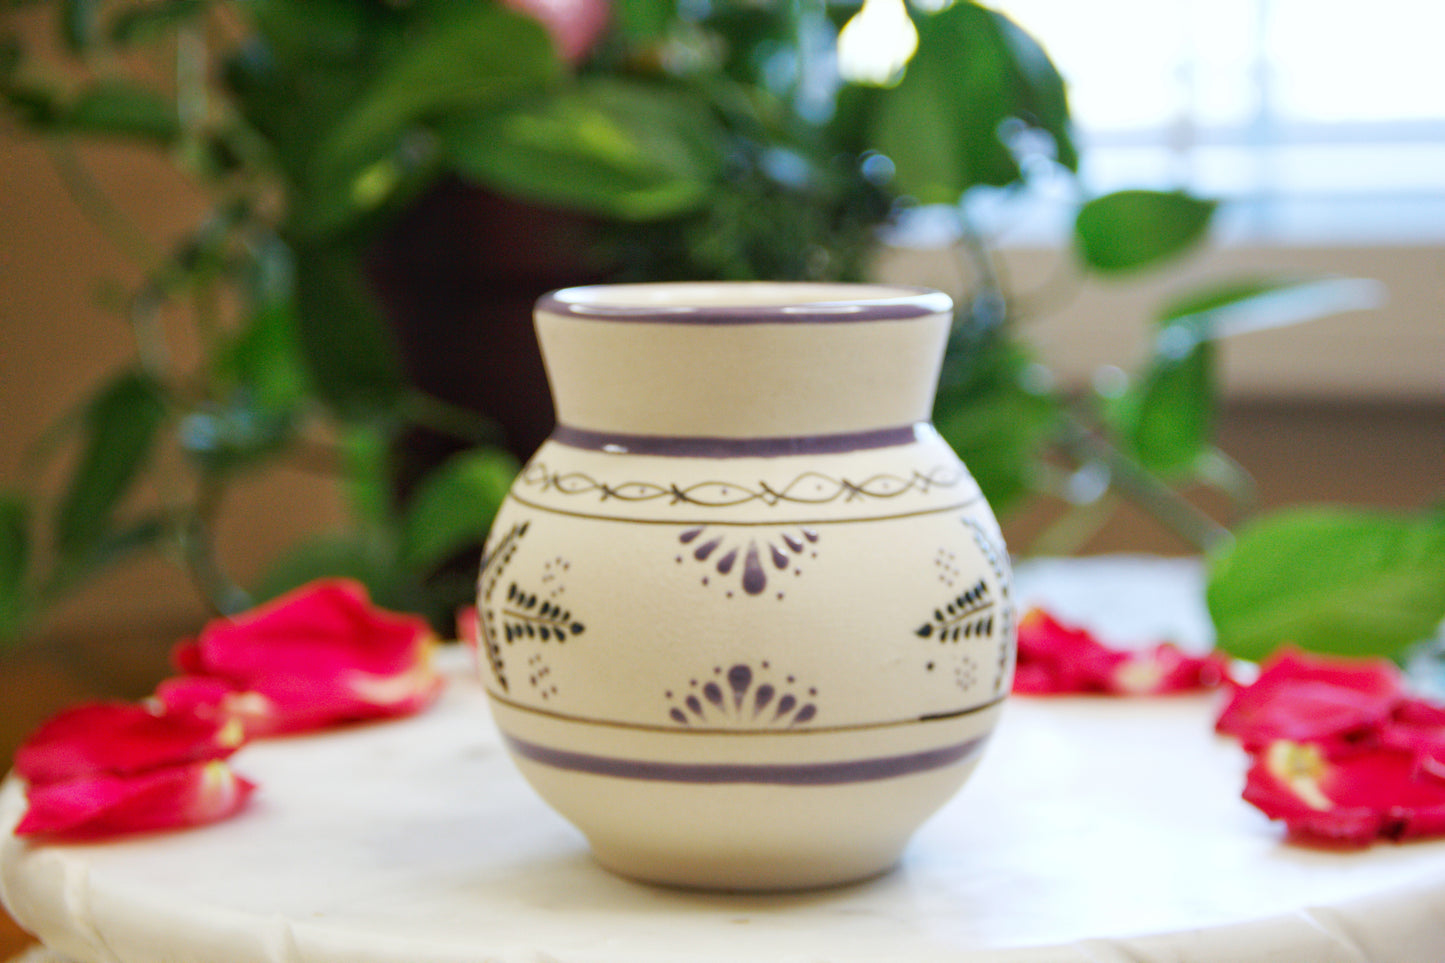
<point>746,618</point>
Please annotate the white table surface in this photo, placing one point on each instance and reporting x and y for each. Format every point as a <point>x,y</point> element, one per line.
<point>1094,830</point>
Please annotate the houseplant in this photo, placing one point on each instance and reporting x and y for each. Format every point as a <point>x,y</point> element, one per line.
<point>722,140</point>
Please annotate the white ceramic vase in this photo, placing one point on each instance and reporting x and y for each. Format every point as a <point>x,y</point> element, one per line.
<point>746,618</point>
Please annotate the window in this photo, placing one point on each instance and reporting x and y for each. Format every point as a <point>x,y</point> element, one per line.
<point>1321,121</point>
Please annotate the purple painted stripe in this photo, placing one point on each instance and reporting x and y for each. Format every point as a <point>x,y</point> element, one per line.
<point>684,446</point>
<point>802,774</point>
<point>905,303</point>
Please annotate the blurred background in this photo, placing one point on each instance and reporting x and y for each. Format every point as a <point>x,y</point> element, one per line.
<point>1319,128</point>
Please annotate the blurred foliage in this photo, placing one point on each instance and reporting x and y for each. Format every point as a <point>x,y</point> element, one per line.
<point>708,139</point>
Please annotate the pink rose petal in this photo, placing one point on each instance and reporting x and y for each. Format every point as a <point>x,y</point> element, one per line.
<point>318,656</point>
<point>1303,697</point>
<point>1056,658</point>
<point>1351,800</point>
<point>96,806</point>
<point>121,739</point>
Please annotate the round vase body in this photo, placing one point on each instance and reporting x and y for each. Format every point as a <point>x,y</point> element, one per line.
<point>746,618</point>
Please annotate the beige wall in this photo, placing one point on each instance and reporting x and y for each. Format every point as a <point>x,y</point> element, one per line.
<point>56,339</point>
<point>1394,352</point>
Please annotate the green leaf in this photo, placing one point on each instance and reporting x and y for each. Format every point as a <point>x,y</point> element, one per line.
<point>146,22</point>
<point>118,109</point>
<point>455,506</point>
<point>467,55</point>
<point>974,71</point>
<point>80,23</point>
<point>644,21</point>
<point>264,359</point>
<point>367,476</point>
<point>615,148</point>
<point>334,556</point>
<point>1242,305</point>
<point>350,355</point>
<point>1129,230</point>
<point>120,427</point>
<point>1342,581</point>
<point>14,562</point>
<point>995,423</point>
<point>1168,419</point>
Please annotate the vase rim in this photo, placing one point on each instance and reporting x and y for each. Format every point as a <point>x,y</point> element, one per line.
<point>745,302</point>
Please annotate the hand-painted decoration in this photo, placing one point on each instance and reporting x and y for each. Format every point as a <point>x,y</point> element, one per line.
<point>727,553</point>
<point>742,698</point>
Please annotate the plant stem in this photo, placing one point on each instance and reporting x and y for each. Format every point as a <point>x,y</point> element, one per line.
<point>119,229</point>
<point>435,413</point>
<point>198,549</point>
<point>1071,531</point>
<point>1166,505</point>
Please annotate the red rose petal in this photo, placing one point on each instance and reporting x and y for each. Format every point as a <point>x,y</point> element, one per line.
<point>218,699</point>
<point>106,805</point>
<point>1055,658</point>
<point>1302,697</point>
<point>318,656</point>
<point>122,739</point>
<point>1351,800</point>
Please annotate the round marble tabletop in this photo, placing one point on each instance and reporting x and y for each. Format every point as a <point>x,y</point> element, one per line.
<point>1094,830</point>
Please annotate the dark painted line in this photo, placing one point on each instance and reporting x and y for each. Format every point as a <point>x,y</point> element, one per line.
<point>683,446</point>
<point>719,521</point>
<point>782,774</point>
<point>706,730</point>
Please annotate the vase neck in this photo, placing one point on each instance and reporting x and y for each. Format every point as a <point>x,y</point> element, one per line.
<point>782,368</point>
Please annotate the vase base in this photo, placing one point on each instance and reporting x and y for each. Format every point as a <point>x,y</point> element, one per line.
<point>744,872</point>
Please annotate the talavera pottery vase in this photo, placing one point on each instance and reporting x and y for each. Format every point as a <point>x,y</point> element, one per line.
<point>746,618</point>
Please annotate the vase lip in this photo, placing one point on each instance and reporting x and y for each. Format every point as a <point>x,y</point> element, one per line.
<point>745,302</point>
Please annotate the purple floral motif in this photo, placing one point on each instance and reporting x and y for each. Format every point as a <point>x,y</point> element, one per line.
<point>742,698</point>
<point>726,552</point>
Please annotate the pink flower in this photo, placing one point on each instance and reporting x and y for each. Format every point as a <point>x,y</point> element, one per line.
<point>1054,658</point>
<point>574,25</point>
<point>120,739</point>
<point>1301,697</point>
<point>1350,800</point>
<point>318,656</point>
<point>102,804</point>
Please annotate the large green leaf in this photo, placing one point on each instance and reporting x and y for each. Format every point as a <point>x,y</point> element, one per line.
<point>120,426</point>
<point>120,109</point>
<point>616,148</point>
<point>1129,230</point>
<point>455,506</point>
<point>464,55</point>
<point>973,71</point>
<point>351,356</point>
<point>1343,581</point>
